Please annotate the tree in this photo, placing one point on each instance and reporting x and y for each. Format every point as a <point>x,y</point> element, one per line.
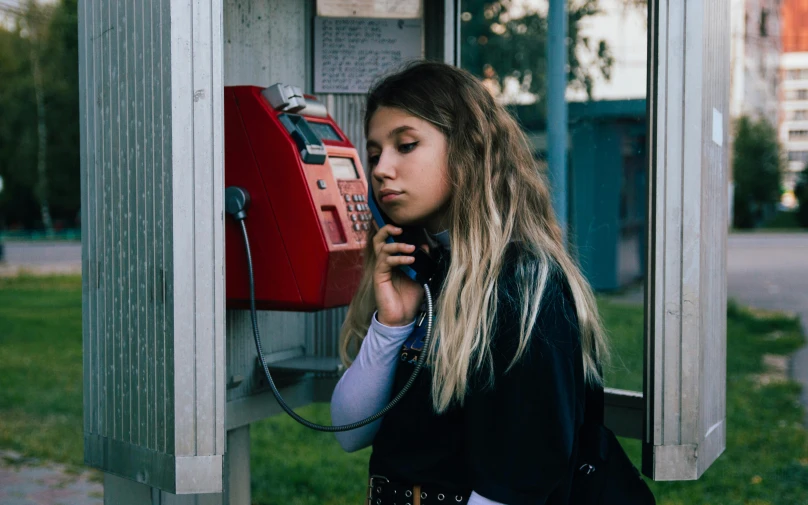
<point>514,43</point>
<point>34,27</point>
<point>756,166</point>
<point>801,192</point>
<point>17,132</point>
<point>39,126</point>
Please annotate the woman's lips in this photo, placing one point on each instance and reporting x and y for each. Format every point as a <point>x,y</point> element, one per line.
<point>389,197</point>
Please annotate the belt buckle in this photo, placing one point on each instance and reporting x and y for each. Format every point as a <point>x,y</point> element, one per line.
<point>372,485</point>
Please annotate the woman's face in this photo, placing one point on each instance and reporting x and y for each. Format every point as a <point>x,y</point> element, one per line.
<point>408,167</point>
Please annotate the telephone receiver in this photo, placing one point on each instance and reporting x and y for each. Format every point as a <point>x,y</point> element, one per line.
<point>424,266</point>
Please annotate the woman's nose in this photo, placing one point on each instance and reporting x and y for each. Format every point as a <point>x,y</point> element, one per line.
<point>384,168</point>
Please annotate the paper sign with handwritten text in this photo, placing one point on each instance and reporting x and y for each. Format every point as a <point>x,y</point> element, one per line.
<point>349,53</point>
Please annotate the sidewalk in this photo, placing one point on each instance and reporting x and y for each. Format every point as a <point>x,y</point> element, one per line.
<point>25,482</point>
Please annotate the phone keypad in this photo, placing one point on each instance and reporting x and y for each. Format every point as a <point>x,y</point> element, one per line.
<point>358,211</point>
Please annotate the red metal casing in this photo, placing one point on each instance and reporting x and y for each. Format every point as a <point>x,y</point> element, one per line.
<point>306,253</point>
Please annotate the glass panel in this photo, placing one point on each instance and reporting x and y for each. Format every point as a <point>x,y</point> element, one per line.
<point>505,44</point>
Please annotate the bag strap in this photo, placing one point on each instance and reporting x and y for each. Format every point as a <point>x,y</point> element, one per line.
<point>594,402</point>
<point>595,434</point>
<point>594,407</point>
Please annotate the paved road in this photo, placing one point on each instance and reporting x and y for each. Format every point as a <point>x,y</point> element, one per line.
<point>771,272</point>
<point>41,257</point>
<point>42,252</point>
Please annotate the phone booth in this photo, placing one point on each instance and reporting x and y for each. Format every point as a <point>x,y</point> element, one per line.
<point>180,101</point>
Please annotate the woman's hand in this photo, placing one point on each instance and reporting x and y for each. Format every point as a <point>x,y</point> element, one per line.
<point>397,296</point>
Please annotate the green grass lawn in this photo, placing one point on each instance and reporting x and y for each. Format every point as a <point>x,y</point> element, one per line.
<point>40,359</point>
<point>766,461</point>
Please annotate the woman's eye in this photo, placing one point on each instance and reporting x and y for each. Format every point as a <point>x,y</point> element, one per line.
<point>373,159</point>
<point>405,148</point>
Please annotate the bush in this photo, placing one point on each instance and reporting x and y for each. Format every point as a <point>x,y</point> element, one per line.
<point>756,166</point>
<point>801,193</point>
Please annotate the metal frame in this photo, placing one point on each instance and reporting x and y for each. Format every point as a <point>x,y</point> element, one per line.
<point>685,377</point>
<point>681,414</point>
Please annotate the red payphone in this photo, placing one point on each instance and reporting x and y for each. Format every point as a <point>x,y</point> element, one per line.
<point>288,161</point>
<point>308,216</point>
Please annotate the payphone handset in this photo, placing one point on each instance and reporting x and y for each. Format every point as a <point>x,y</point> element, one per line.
<point>423,268</point>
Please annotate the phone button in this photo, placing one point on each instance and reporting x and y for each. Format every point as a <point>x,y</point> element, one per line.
<point>347,198</point>
<point>357,227</point>
<point>350,208</point>
<point>353,217</point>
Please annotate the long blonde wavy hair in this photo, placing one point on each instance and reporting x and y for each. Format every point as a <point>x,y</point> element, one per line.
<point>499,195</point>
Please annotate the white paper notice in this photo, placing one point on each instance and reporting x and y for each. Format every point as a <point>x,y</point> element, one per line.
<point>349,53</point>
<point>718,127</point>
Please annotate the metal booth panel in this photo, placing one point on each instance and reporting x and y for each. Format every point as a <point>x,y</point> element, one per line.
<point>153,279</point>
<point>685,427</point>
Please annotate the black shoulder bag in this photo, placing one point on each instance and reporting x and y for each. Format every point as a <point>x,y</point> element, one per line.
<point>604,475</point>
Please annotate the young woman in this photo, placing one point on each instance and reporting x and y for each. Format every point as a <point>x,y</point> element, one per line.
<point>493,417</point>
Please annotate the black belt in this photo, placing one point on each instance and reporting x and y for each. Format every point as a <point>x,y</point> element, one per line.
<point>381,491</point>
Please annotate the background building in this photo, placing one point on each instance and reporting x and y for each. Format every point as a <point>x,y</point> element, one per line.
<point>756,46</point>
<point>755,59</point>
<point>795,29</point>
<point>794,105</point>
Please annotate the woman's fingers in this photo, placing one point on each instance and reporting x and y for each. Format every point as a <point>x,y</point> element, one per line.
<point>391,252</point>
<point>400,260</point>
<point>398,248</point>
<point>380,238</point>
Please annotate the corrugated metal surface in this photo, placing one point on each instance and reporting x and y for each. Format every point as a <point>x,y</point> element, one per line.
<point>126,196</point>
<point>349,112</point>
<point>153,254</point>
